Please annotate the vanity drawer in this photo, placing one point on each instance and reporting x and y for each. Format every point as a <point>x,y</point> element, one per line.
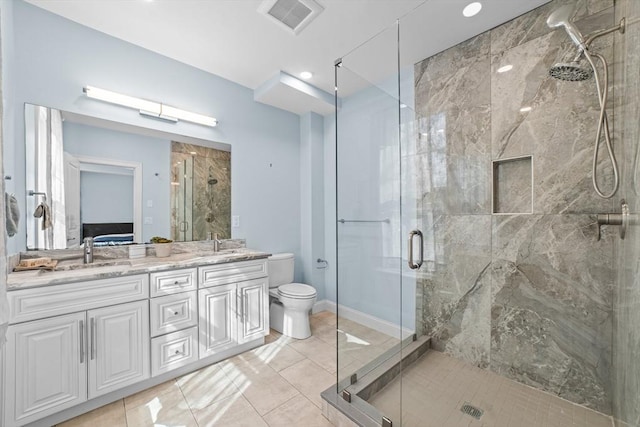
<point>173,312</point>
<point>232,272</point>
<point>54,300</point>
<point>173,282</point>
<point>174,350</point>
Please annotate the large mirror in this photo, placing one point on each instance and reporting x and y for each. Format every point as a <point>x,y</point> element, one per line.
<point>120,184</point>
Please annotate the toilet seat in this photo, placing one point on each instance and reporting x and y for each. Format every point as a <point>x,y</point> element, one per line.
<point>297,291</point>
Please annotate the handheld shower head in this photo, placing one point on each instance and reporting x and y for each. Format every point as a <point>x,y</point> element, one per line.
<point>561,17</point>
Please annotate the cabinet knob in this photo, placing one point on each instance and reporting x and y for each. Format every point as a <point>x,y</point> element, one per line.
<point>178,352</point>
<point>175,313</point>
<point>176,282</point>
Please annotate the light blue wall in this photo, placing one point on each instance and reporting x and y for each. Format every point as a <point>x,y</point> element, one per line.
<point>312,198</point>
<point>153,153</point>
<point>105,197</point>
<point>56,57</point>
<point>8,98</point>
<point>372,257</point>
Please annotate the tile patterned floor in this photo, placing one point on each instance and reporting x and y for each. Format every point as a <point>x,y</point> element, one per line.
<point>436,386</point>
<point>277,384</point>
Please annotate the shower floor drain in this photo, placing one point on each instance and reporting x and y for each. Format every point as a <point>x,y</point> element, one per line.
<point>471,410</point>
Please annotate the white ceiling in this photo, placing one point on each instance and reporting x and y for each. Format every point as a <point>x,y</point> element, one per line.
<point>231,39</point>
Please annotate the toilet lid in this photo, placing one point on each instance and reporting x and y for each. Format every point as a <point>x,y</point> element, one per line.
<point>297,290</point>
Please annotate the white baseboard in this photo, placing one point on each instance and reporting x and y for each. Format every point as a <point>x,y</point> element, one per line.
<point>364,319</point>
<point>324,305</point>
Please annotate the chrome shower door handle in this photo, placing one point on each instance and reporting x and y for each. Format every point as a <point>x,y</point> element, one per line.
<point>412,234</point>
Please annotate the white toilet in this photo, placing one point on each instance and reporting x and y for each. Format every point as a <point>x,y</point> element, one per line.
<point>289,302</point>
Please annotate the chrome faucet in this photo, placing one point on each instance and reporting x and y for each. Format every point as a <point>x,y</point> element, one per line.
<point>88,250</point>
<point>216,243</point>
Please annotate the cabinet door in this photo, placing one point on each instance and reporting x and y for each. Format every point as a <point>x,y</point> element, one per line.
<point>254,312</point>
<point>118,347</point>
<point>218,323</point>
<point>46,369</point>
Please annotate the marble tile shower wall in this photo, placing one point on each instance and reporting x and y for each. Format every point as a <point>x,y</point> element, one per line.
<point>626,303</point>
<point>528,296</point>
<point>210,209</point>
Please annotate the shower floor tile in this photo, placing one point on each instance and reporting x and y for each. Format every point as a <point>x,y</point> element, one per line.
<point>436,386</point>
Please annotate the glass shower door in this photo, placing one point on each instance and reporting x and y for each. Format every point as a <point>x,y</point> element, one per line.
<point>375,287</point>
<point>182,198</point>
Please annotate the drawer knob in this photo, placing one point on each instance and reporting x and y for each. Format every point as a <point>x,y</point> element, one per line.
<point>176,282</point>
<point>175,313</point>
<point>178,352</point>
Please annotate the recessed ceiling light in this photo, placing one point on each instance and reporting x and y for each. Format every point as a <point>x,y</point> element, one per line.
<point>472,9</point>
<point>505,68</point>
<point>306,75</point>
<point>525,109</point>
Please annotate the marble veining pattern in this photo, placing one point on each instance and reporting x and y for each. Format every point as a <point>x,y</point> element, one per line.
<point>559,129</point>
<point>455,285</point>
<point>551,310</point>
<point>126,267</point>
<point>534,24</point>
<point>454,121</point>
<point>526,295</point>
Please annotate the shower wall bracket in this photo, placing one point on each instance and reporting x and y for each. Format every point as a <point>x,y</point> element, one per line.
<point>622,219</point>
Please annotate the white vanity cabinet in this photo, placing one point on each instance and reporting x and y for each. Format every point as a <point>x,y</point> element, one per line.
<point>234,305</point>
<point>74,346</point>
<point>118,346</point>
<point>53,363</point>
<point>46,367</point>
<point>174,319</point>
<point>254,309</point>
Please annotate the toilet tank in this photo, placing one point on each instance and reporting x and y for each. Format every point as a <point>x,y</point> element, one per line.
<point>280,269</point>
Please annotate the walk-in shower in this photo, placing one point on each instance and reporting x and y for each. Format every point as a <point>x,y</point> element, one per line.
<point>574,71</point>
<point>200,192</point>
<point>518,314</point>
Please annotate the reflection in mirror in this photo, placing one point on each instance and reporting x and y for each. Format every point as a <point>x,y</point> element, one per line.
<point>118,183</point>
<point>200,193</point>
<point>45,175</point>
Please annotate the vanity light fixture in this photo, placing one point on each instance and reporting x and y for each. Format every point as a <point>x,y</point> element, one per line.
<point>505,68</point>
<point>472,9</point>
<point>149,108</point>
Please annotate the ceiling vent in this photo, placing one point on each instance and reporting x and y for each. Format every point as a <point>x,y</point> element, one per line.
<point>292,15</point>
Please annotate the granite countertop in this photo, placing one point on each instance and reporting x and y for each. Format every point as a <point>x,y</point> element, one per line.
<point>74,271</point>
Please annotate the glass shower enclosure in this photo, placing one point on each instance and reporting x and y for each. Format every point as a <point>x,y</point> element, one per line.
<point>379,246</point>
<point>474,282</point>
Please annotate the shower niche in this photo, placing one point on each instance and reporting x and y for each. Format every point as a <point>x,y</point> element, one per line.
<point>200,192</point>
<point>512,191</point>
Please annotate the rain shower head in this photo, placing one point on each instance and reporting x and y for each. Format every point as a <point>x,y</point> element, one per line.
<point>561,17</point>
<point>570,72</point>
